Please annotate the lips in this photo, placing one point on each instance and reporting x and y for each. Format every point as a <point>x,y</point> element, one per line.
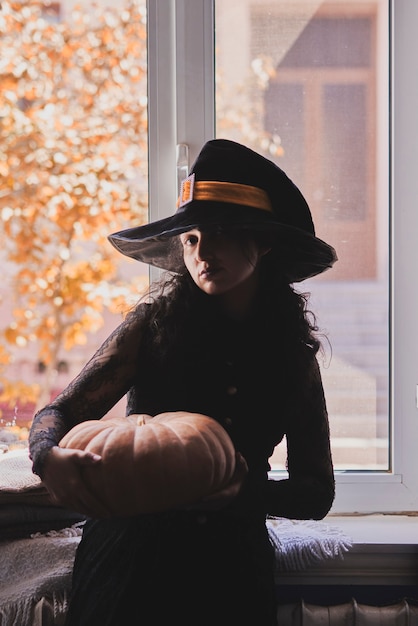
<point>209,272</point>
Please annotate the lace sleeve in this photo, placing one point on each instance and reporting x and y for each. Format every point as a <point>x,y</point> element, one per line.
<point>103,381</point>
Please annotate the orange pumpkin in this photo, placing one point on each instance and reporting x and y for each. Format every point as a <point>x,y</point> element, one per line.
<point>154,464</point>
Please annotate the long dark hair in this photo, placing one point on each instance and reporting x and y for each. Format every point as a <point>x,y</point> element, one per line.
<point>177,304</point>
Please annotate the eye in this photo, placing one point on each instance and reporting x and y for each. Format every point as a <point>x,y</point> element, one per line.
<point>188,239</point>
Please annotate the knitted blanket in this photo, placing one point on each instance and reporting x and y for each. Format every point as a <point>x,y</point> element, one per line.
<point>35,569</point>
<point>302,543</point>
<point>25,505</point>
<point>17,482</point>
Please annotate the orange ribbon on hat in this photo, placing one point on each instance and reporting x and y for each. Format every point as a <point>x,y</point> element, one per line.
<point>217,191</point>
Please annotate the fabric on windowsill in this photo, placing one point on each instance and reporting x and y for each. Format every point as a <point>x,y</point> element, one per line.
<point>25,505</point>
<point>33,569</point>
<point>302,543</point>
<point>18,483</point>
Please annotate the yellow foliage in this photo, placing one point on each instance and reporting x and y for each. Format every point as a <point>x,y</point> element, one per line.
<point>11,334</point>
<point>14,393</point>
<point>4,357</point>
<point>73,143</point>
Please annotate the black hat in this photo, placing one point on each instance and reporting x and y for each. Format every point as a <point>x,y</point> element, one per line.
<point>230,186</point>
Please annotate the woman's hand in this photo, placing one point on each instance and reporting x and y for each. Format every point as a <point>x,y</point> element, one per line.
<point>64,480</point>
<point>223,497</point>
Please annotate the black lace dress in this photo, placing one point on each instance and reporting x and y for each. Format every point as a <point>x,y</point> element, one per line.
<point>197,567</point>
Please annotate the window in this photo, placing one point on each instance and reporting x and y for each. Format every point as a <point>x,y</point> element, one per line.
<point>359,105</point>
<point>378,219</point>
<point>73,167</point>
<point>309,72</point>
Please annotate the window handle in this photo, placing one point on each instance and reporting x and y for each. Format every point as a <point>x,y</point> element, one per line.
<point>182,163</point>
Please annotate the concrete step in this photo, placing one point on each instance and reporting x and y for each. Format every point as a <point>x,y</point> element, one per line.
<point>359,426</point>
<point>354,316</point>
<point>351,407</point>
<point>359,335</point>
<point>347,454</point>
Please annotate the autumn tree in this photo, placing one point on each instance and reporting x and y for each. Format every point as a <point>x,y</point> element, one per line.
<point>73,168</point>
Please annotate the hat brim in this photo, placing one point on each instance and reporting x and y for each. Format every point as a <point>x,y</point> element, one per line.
<point>299,254</point>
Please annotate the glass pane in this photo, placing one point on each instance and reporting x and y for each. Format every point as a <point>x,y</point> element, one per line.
<point>336,35</point>
<point>289,118</point>
<point>306,83</point>
<point>345,111</point>
<point>73,164</point>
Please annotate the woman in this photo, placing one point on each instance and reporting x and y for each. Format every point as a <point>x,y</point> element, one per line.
<point>226,336</point>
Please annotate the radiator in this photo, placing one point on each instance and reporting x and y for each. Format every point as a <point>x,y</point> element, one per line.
<point>348,614</point>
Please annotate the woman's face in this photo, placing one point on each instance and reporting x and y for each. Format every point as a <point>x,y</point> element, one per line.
<point>222,264</point>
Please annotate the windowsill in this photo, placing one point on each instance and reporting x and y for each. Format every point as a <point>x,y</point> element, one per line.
<point>384,552</point>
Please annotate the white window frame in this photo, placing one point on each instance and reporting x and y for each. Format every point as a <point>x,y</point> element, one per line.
<point>181,111</point>
<point>180,92</point>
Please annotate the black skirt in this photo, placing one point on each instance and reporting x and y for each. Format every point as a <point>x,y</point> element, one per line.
<point>188,568</point>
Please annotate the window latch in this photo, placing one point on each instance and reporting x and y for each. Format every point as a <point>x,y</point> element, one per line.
<point>182,163</point>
